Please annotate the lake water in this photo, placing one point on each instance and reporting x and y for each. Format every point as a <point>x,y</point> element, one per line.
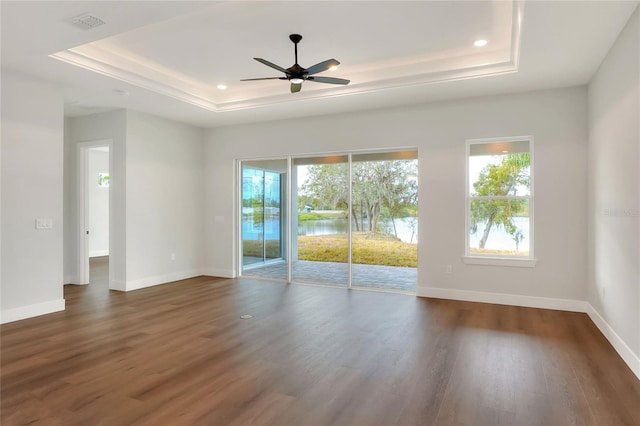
<point>339,226</point>
<point>251,231</point>
<point>498,238</point>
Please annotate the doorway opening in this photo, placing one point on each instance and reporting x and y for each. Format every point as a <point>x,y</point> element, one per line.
<point>350,220</point>
<point>94,201</point>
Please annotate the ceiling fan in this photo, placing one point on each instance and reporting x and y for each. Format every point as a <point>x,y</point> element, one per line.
<point>296,74</point>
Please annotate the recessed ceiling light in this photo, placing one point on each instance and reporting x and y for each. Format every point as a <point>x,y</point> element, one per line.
<point>504,151</point>
<point>480,43</point>
<point>222,87</point>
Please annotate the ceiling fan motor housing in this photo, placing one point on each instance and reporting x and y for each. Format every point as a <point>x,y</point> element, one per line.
<point>296,71</point>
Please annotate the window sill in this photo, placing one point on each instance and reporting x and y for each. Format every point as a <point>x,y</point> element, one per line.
<point>499,261</point>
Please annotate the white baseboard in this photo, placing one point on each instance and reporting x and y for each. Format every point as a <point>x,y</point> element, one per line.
<point>503,299</point>
<point>215,272</point>
<point>98,253</point>
<point>73,280</point>
<point>161,279</point>
<point>627,355</point>
<point>117,285</point>
<point>29,311</point>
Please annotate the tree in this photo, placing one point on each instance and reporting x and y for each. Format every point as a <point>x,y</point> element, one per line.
<point>500,180</point>
<point>326,186</point>
<point>377,185</point>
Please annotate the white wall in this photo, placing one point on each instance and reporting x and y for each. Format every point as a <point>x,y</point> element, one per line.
<point>98,204</point>
<point>156,183</point>
<point>614,194</point>
<point>557,119</point>
<point>96,127</point>
<point>32,150</point>
<point>165,203</point>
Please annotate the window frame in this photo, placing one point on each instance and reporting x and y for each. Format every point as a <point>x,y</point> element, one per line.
<point>500,259</point>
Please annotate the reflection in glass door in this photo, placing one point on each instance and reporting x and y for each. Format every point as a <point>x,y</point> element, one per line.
<point>252,216</point>
<point>263,217</point>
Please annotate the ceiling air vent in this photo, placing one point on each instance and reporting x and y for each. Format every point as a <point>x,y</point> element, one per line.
<point>85,21</point>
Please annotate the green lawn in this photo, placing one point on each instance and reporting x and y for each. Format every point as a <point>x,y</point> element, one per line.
<point>369,248</point>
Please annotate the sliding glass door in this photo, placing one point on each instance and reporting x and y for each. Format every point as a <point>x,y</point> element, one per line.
<point>353,219</point>
<point>263,221</point>
<point>321,220</point>
<point>385,220</point>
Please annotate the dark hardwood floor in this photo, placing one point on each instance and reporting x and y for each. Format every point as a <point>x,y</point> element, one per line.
<point>180,354</point>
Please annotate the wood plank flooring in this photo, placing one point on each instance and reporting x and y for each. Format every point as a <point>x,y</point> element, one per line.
<point>179,354</point>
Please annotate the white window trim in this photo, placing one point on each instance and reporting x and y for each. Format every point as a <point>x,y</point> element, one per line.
<point>525,262</point>
<point>501,260</point>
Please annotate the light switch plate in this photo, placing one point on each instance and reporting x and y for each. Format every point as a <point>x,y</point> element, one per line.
<point>44,223</point>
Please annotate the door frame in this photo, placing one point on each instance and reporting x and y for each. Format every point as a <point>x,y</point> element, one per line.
<point>83,206</point>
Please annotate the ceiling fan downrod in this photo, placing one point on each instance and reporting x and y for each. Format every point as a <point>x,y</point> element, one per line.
<point>295,38</point>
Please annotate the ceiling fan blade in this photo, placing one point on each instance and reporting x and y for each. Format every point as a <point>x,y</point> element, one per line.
<point>264,78</point>
<point>329,80</point>
<point>322,66</point>
<point>296,87</point>
<point>271,64</point>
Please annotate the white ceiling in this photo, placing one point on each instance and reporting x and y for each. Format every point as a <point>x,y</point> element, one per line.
<point>167,57</point>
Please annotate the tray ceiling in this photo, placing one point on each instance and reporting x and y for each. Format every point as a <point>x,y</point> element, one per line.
<point>380,45</point>
<point>168,57</point>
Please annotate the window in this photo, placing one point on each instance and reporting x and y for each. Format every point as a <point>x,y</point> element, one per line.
<point>500,199</point>
<point>103,180</point>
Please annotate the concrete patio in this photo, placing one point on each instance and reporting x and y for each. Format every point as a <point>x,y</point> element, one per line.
<point>368,276</point>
